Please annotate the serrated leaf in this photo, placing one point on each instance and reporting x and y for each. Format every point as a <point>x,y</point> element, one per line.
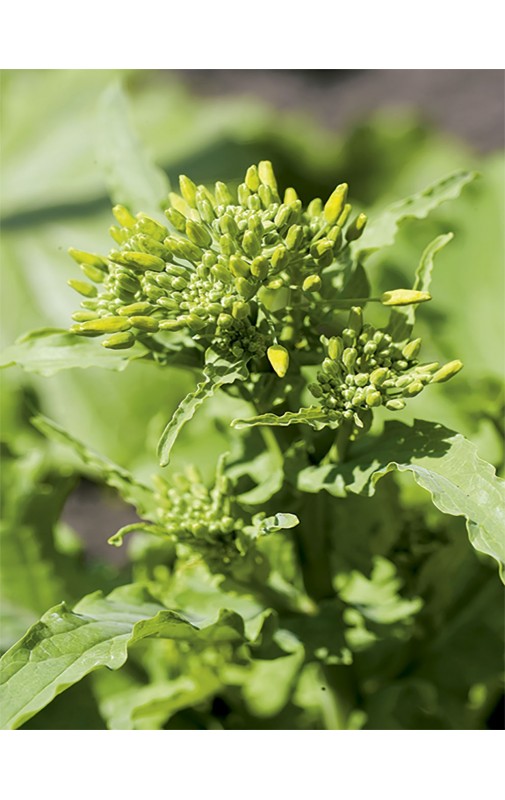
<point>217,374</point>
<point>132,178</point>
<point>381,229</point>
<point>128,487</point>
<point>65,645</point>
<point>312,416</point>
<point>49,350</point>
<point>402,319</point>
<point>441,461</point>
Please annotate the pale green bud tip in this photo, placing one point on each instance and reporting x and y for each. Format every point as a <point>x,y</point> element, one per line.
<point>87,258</point>
<point>86,289</point>
<point>266,174</point>
<point>252,178</point>
<point>290,195</point>
<point>447,371</point>
<point>312,283</point>
<point>279,359</point>
<point>404,297</point>
<point>335,203</point>
<point>124,217</point>
<point>188,190</point>
<point>105,325</point>
<point>119,341</point>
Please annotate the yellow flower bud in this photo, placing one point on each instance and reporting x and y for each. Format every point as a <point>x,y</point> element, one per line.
<point>266,174</point>
<point>279,359</point>
<point>335,203</point>
<point>447,371</point>
<point>404,297</point>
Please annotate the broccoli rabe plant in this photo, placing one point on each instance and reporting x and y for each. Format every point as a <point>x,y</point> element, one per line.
<point>295,591</point>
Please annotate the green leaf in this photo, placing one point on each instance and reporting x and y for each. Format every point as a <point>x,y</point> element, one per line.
<point>65,645</point>
<point>49,350</point>
<point>131,490</point>
<point>382,229</point>
<point>217,374</point>
<point>402,319</point>
<point>312,416</point>
<point>132,178</point>
<point>441,461</point>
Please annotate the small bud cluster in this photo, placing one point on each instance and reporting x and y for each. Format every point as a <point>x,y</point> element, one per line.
<point>228,257</point>
<point>200,516</point>
<point>364,368</point>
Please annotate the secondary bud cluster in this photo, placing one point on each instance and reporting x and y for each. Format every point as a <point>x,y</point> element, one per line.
<point>364,368</point>
<point>231,262</point>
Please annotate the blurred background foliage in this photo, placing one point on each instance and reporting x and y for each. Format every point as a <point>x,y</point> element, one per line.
<point>56,194</point>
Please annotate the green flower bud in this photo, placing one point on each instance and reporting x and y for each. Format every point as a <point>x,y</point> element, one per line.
<point>172,324</point>
<point>356,228</point>
<point>86,289</point>
<point>447,372</point>
<point>227,244</point>
<point>254,201</point>
<point>85,316</point>
<point>265,196</point>
<point>414,388</point>
<point>241,310</point>
<point>315,390</point>
<point>335,236</point>
<point>335,348</point>
<point>259,268</point>
<point>266,174</point>
<point>349,336</point>
<point>274,299</point>
<point>183,249</point>
<point>93,273</point>
<point>177,202</point>
<point>106,325</point>
<point>335,203</point>
<point>239,267</point>
<point>251,244</point>
<point>252,179</point>
<point>294,237</point>
<point>411,349</point>
<point>142,261</point>
<point>279,359</point>
<point>136,308</point>
<point>176,219</point>
<point>361,379</point>
<point>88,258</point>
<point>290,195</point>
<point>245,288</point>
<point>188,190</point>
<point>344,215</point>
<point>205,208</point>
<point>155,293</point>
<point>225,321</point>
<point>222,194</point>
<point>118,234</point>
<point>228,225</point>
<point>255,225</point>
<point>195,322</point>
<point>150,227</point>
<point>243,194</point>
<point>404,297</point>
<point>119,341</point>
<point>198,233</point>
<point>123,216</point>
<point>144,323</point>
<point>349,357</point>
<point>283,217</point>
<point>355,321</point>
<point>280,257</point>
<point>321,248</point>
<point>312,283</point>
<point>315,208</point>
<point>221,273</point>
<point>149,245</point>
<point>395,405</point>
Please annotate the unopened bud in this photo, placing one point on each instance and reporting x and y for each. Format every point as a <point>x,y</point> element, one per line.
<point>335,203</point>
<point>225,321</point>
<point>294,237</point>
<point>106,325</point>
<point>414,388</point>
<point>251,244</point>
<point>123,216</point>
<point>266,174</point>
<point>395,405</point>
<point>86,289</point>
<point>222,194</point>
<point>240,310</point>
<point>176,219</point>
<point>245,288</point>
<point>447,371</point>
<point>198,233</point>
<point>411,349</point>
<point>280,257</point>
<point>315,207</point>
<point>344,215</point>
<point>355,321</point>
<point>92,259</point>
<point>142,261</point>
<point>259,268</point>
<point>378,376</point>
<point>335,348</point>
<point>85,316</point>
<point>144,323</point>
<point>279,359</point>
<point>228,225</point>
<point>239,267</point>
<point>349,357</point>
<point>404,297</point>
<point>243,194</point>
<point>290,195</point>
<point>93,273</point>
<point>312,283</point>
<point>356,228</point>
<point>252,178</point>
<point>150,227</point>
<point>119,341</point>
<point>172,324</point>
<point>188,190</point>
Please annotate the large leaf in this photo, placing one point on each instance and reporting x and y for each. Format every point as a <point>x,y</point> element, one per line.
<point>217,374</point>
<point>132,179</point>
<point>68,644</point>
<point>382,229</point>
<point>441,461</point>
<point>312,416</point>
<point>49,350</point>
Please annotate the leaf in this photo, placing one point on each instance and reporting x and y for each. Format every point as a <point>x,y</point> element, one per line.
<point>312,416</point>
<point>401,321</point>
<point>441,461</point>
<point>65,645</point>
<point>217,374</point>
<point>382,229</point>
<point>131,490</point>
<point>262,526</point>
<point>132,178</point>
<point>49,350</point>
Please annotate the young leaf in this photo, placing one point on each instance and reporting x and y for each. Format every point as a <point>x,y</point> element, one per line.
<point>312,416</point>
<point>401,321</point>
<point>49,350</point>
<point>65,645</point>
<point>217,374</point>
<point>381,230</point>
<point>441,461</point>
<point>132,178</point>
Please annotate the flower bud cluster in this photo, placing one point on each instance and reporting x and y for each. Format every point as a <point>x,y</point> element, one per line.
<point>227,258</point>
<point>364,368</point>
